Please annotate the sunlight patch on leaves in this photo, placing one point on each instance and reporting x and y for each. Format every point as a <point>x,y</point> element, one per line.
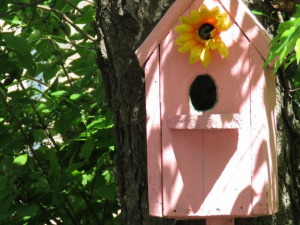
<point>21,160</point>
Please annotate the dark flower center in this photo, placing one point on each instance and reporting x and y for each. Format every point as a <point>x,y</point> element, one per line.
<point>204,31</point>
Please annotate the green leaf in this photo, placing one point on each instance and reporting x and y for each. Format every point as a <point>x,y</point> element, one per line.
<point>87,178</point>
<point>43,185</point>
<point>4,193</point>
<point>15,20</point>
<point>297,49</point>
<point>75,96</point>
<point>3,180</point>
<point>20,160</point>
<point>35,35</point>
<point>97,123</point>
<point>28,211</point>
<point>108,191</point>
<point>107,176</point>
<point>7,203</point>
<point>102,159</point>
<point>5,215</point>
<point>54,165</point>
<point>3,6</point>
<point>258,13</point>
<point>88,16</point>
<point>283,43</point>
<point>60,93</point>
<point>20,46</point>
<point>87,149</point>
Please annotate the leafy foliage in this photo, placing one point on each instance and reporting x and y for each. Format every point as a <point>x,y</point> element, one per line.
<point>56,142</point>
<point>285,46</point>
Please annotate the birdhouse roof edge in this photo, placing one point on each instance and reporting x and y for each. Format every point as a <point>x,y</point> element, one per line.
<point>161,30</point>
<point>257,35</point>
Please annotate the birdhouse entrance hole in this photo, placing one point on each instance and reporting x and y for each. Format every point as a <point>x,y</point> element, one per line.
<point>203,93</point>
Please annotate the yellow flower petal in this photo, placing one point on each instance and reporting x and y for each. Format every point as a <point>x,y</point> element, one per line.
<point>222,49</point>
<point>226,26</point>
<point>183,38</point>
<point>194,59</point>
<point>195,15</point>
<point>193,20</point>
<point>223,24</point>
<point>185,20</point>
<point>213,43</point>
<point>204,12</point>
<point>187,46</point>
<point>196,51</point>
<point>223,15</point>
<point>214,33</point>
<point>215,12</point>
<point>205,57</point>
<point>184,28</point>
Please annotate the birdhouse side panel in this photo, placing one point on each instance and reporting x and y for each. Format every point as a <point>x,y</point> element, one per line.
<point>264,156</point>
<point>271,86</point>
<point>153,134</point>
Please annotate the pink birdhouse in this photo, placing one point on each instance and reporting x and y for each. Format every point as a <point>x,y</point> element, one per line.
<point>211,136</point>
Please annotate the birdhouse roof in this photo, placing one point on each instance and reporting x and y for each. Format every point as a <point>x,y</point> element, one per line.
<point>236,9</point>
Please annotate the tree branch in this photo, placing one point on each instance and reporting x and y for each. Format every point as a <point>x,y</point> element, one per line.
<point>62,63</point>
<point>68,20</point>
<point>36,80</point>
<point>83,195</point>
<point>75,7</point>
<point>44,126</point>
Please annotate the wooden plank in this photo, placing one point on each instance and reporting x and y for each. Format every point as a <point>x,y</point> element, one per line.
<point>207,121</point>
<point>153,134</point>
<point>271,86</point>
<point>264,159</point>
<point>161,30</point>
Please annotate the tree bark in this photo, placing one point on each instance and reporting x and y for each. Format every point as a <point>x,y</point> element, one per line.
<point>122,26</point>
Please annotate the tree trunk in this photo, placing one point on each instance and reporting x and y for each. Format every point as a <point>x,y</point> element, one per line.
<point>122,26</point>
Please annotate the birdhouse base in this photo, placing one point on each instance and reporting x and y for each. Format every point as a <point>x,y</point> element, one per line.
<point>220,221</point>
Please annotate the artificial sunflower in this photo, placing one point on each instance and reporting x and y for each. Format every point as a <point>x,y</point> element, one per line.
<point>200,33</point>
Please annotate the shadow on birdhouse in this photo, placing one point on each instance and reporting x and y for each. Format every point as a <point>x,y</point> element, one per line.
<point>210,113</point>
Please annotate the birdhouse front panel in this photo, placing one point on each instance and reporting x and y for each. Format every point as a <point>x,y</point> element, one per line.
<point>210,116</point>
<point>213,165</point>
